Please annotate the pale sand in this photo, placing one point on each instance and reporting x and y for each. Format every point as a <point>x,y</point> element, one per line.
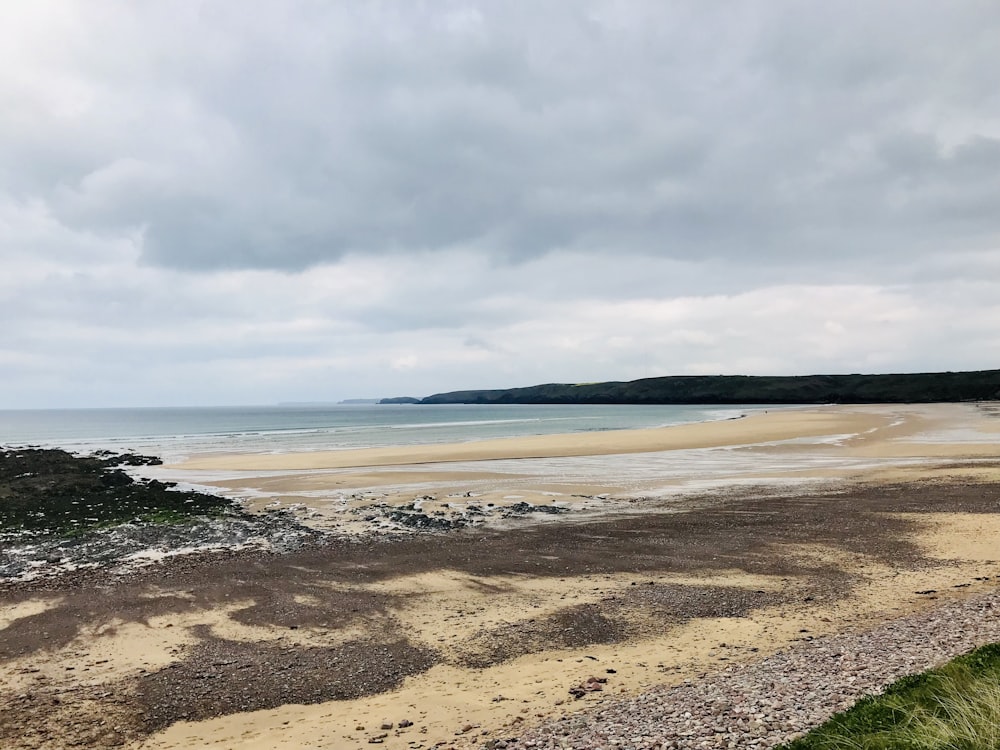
<point>877,430</point>
<point>448,608</point>
<point>758,428</point>
<point>327,489</point>
<point>447,698</point>
<point>445,609</point>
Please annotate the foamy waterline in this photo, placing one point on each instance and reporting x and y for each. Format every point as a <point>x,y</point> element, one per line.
<point>175,434</point>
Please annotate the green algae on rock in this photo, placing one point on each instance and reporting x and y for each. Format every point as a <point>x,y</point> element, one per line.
<point>44,490</point>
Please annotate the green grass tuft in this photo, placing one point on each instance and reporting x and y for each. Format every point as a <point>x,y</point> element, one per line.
<point>954,707</point>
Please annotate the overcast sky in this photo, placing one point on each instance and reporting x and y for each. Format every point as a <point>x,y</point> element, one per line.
<point>253,202</point>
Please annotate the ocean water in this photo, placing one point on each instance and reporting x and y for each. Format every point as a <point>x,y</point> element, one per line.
<point>174,433</point>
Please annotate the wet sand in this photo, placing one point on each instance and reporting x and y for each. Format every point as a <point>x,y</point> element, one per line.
<point>607,472</point>
<point>474,634</point>
<point>772,426</point>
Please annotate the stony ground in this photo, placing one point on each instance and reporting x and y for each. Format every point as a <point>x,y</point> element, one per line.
<point>321,587</point>
<point>764,704</point>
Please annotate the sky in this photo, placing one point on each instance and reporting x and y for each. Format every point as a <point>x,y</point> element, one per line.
<point>236,202</point>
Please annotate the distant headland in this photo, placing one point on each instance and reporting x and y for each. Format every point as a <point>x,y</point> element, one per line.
<point>927,387</point>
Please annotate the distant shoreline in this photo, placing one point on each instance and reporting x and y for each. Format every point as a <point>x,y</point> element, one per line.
<point>895,388</point>
<point>801,523</point>
<point>758,428</point>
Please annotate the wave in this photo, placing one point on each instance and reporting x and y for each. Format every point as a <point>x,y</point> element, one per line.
<point>467,423</point>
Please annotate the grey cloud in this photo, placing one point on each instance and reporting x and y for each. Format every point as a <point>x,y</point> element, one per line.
<point>206,204</point>
<point>515,131</point>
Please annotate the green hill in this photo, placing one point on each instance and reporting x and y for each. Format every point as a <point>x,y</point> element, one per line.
<point>929,387</point>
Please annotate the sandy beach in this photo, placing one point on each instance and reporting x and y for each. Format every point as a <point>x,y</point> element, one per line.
<point>601,472</point>
<point>677,552</point>
<point>870,431</point>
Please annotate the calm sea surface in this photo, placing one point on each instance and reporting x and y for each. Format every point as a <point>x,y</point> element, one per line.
<point>176,432</point>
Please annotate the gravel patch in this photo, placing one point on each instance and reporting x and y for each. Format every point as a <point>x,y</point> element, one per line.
<point>763,704</point>
<point>221,677</point>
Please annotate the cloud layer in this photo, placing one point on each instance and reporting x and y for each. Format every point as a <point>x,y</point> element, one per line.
<point>203,204</point>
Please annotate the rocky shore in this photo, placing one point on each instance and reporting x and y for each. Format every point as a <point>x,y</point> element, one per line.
<point>51,491</point>
<point>770,702</point>
<point>60,513</point>
<point>126,546</point>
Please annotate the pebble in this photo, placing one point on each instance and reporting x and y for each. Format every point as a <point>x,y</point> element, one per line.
<point>774,700</point>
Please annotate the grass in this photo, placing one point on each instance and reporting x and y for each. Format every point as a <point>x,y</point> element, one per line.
<point>953,707</point>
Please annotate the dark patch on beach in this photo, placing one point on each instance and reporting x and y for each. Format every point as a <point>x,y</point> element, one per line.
<point>671,603</point>
<point>645,607</point>
<point>85,611</point>
<point>220,677</point>
<point>739,533</point>
<point>52,717</point>
<point>329,609</point>
<point>274,604</point>
<point>572,627</point>
<point>322,585</point>
<point>747,533</point>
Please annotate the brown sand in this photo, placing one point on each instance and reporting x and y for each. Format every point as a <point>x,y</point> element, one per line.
<point>473,634</point>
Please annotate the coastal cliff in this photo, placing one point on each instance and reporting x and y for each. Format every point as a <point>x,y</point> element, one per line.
<point>933,387</point>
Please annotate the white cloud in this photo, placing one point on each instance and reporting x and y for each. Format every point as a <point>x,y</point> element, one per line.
<point>136,334</point>
<point>199,204</point>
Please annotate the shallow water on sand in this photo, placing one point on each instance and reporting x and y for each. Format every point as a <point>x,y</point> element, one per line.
<point>177,432</point>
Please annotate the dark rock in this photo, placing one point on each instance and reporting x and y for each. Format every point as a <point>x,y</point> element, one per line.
<point>52,491</point>
<point>522,508</point>
<point>416,520</point>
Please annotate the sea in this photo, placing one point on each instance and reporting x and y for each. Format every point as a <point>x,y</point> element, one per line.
<point>180,432</point>
<point>174,433</point>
